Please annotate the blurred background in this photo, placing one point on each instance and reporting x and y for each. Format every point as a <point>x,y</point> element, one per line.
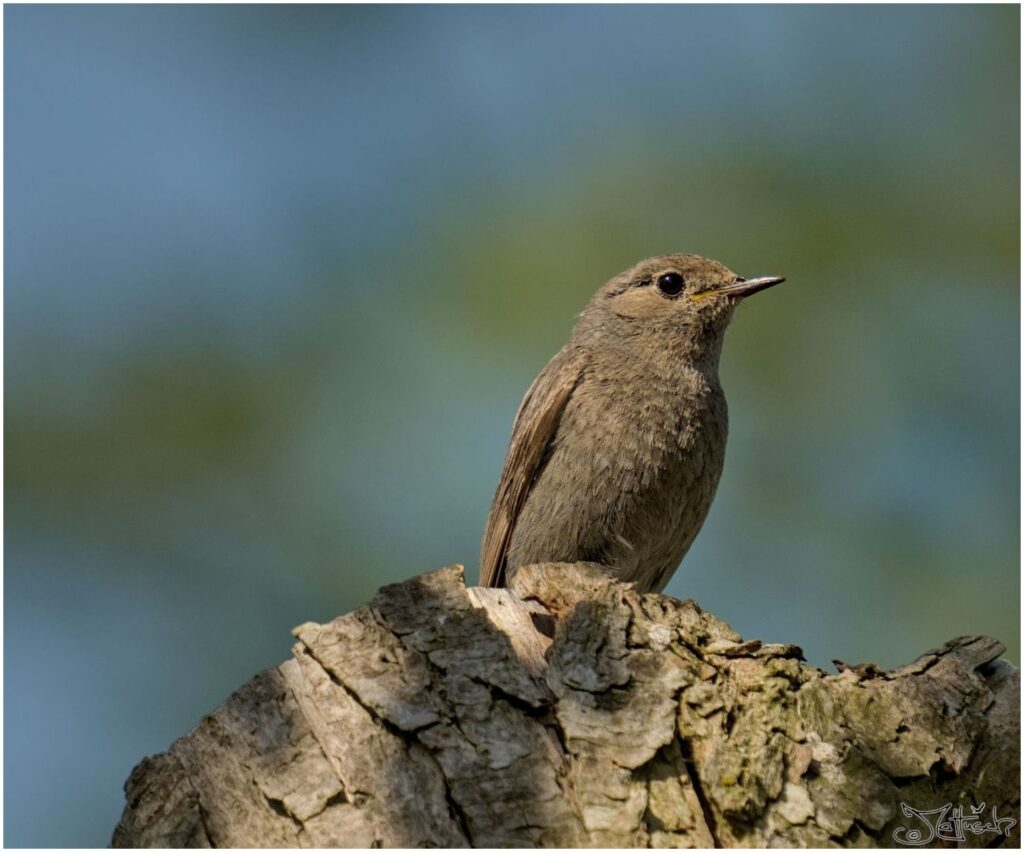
<point>277,278</point>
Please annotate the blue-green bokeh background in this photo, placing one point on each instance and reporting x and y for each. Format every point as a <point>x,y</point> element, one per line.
<point>276,279</point>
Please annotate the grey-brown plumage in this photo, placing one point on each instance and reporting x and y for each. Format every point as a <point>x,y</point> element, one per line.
<point>618,445</point>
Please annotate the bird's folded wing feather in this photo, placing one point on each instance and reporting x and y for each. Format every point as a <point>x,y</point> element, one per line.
<point>534,429</point>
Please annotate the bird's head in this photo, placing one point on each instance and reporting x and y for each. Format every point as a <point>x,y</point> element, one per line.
<point>681,298</point>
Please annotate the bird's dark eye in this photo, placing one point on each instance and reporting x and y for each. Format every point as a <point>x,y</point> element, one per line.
<point>671,283</point>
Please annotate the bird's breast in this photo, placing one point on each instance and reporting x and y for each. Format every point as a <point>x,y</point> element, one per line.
<point>647,432</point>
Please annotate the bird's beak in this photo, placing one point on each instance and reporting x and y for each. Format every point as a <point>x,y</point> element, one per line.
<point>740,288</point>
<point>743,287</point>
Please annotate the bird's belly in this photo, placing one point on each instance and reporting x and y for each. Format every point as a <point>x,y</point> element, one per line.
<point>632,499</point>
<point>654,523</point>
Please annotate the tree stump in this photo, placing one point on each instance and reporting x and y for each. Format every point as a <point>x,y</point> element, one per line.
<point>570,710</point>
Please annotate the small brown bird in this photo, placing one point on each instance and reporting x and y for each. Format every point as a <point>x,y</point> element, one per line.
<point>618,445</point>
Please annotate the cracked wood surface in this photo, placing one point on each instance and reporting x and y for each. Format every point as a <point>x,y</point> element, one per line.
<point>571,711</point>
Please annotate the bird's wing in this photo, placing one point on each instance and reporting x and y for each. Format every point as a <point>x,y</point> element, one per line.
<point>532,432</point>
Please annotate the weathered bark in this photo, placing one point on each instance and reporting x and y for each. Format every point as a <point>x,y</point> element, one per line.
<point>572,711</point>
